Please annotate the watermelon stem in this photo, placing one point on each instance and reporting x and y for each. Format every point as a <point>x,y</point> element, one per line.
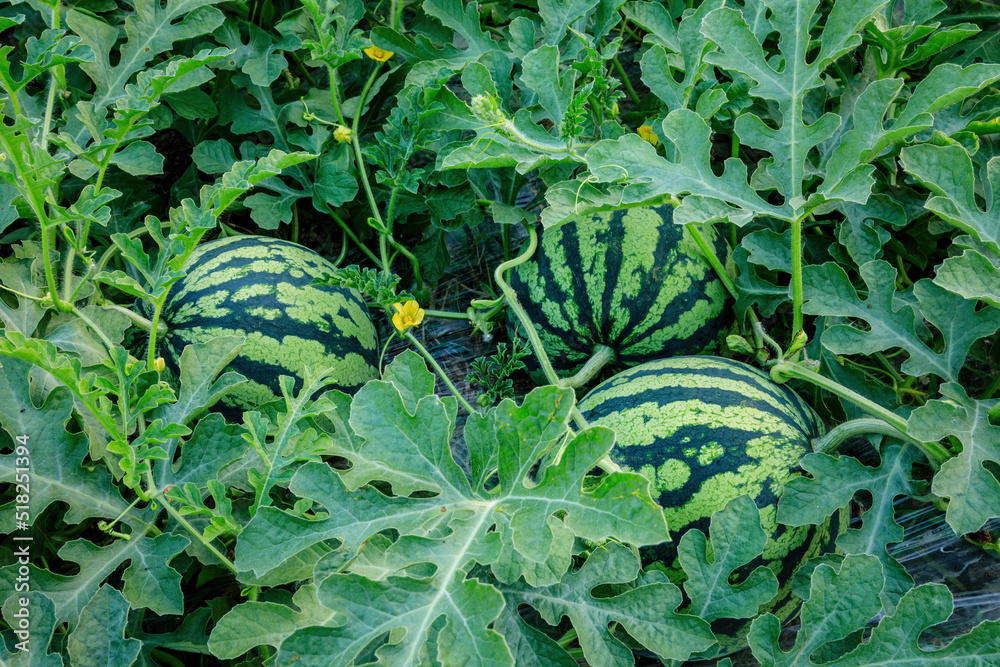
<point>137,320</point>
<point>797,288</point>
<point>841,433</point>
<point>440,372</point>
<point>529,329</point>
<point>93,327</point>
<point>783,370</point>
<point>157,493</point>
<point>603,355</point>
<point>706,250</point>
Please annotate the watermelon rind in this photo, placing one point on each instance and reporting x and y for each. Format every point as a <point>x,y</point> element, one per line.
<point>259,287</point>
<point>632,280</point>
<point>704,430</point>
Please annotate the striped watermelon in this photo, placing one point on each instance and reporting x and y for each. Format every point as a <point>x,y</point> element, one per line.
<point>631,280</point>
<point>258,287</point>
<point>705,430</point>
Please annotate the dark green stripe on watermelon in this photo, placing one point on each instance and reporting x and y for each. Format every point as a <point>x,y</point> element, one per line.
<point>260,288</point>
<point>705,430</point>
<point>629,279</point>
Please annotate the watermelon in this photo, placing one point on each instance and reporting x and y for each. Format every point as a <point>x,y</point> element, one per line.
<point>631,280</point>
<point>705,430</point>
<point>259,287</point>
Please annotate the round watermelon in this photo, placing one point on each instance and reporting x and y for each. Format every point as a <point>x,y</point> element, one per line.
<point>631,280</point>
<point>259,287</point>
<point>705,430</point>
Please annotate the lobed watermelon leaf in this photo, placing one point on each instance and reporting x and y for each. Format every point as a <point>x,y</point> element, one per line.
<point>403,425</point>
<point>828,291</point>
<point>646,611</point>
<point>843,601</point>
<point>737,538</point>
<point>99,638</point>
<point>966,479</point>
<point>834,483</point>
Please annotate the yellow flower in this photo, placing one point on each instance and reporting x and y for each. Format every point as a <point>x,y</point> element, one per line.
<point>646,132</point>
<point>342,134</point>
<point>378,54</point>
<point>159,364</point>
<point>408,315</point>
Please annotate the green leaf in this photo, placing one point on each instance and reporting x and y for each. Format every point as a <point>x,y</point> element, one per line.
<point>691,45</point>
<point>42,621</point>
<point>737,538</point>
<point>828,291</point>
<point>454,528</point>
<point>894,641</point>
<point>150,30</point>
<point>558,15</point>
<point>409,375</point>
<point>72,593</point>
<point>740,50</point>
<point>374,608</point>
<point>650,176</point>
<point>646,612</point>
<point>16,275</point>
<point>834,483</point>
<point>656,21</point>
<point>99,638</point>
<point>540,73</point>
<point>947,171</point>
<point>859,232</point>
<point>944,86</point>
<point>972,488</point>
<point>77,338</point>
<point>972,275</point>
<point>528,645</point>
<point>57,456</point>
<point>464,20</point>
<point>254,624</point>
<point>752,288</point>
<point>290,440</point>
<point>190,637</point>
<point>215,156</point>
<point>839,603</point>
<point>201,385</point>
<point>335,186</point>
<point>139,159</point>
<point>149,581</point>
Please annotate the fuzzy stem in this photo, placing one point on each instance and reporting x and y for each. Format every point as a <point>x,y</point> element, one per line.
<point>632,95</point>
<point>603,355</point>
<point>440,371</point>
<point>783,370</point>
<point>194,531</point>
<point>362,173</point>
<point>709,254</point>
<point>138,320</point>
<point>529,329</point>
<point>151,350</point>
<point>828,443</point>
<point>409,256</point>
<point>353,237</point>
<point>797,297</point>
<point>100,334</point>
<point>446,315</point>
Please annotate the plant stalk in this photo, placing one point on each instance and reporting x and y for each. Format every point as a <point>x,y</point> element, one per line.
<point>440,371</point>
<point>603,355</point>
<point>841,433</point>
<point>783,370</point>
